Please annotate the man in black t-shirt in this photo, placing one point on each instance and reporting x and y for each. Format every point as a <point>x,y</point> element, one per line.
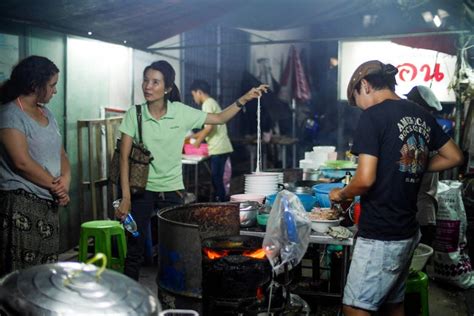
<point>393,140</point>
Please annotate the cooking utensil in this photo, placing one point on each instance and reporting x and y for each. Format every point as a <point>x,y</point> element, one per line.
<point>248,213</point>
<point>73,288</point>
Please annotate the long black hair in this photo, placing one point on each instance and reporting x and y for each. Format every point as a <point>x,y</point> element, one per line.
<point>30,75</point>
<point>169,75</point>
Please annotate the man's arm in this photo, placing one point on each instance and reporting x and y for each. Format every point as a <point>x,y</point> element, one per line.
<point>448,156</point>
<point>202,134</point>
<point>363,179</point>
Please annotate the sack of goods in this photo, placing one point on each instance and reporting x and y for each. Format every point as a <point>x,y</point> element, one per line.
<point>451,262</point>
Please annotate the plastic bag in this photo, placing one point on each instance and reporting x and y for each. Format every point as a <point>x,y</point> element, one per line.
<point>451,262</point>
<point>288,230</point>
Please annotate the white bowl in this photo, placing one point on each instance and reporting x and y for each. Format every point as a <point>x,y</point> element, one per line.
<point>247,197</point>
<point>322,225</point>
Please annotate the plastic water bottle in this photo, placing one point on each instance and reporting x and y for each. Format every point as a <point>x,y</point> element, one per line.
<point>128,223</point>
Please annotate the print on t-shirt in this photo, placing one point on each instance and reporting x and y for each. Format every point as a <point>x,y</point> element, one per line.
<point>414,134</point>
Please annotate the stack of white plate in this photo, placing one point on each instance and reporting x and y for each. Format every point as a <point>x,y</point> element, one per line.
<point>279,174</point>
<point>261,183</point>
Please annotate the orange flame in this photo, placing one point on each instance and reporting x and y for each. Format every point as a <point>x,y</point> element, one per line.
<point>211,254</point>
<point>256,254</point>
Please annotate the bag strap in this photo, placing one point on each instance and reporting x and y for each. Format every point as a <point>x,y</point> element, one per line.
<point>139,120</point>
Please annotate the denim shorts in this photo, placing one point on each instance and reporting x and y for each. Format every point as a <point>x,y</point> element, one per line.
<point>378,272</point>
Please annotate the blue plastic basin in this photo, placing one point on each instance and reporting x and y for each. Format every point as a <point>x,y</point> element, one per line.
<point>321,193</point>
<point>307,200</point>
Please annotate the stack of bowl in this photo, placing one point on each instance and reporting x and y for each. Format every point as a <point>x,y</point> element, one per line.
<point>262,183</point>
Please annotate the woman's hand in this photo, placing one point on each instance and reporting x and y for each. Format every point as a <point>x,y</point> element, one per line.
<point>60,190</point>
<point>64,201</point>
<point>124,208</point>
<point>254,93</point>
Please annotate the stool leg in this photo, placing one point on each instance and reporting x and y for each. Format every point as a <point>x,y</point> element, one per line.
<point>107,248</point>
<point>425,307</point>
<point>122,250</point>
<point>83,246</point>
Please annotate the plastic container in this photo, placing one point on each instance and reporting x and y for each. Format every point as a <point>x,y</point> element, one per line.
<point>420,257</point>
<point>335,173</point>
<point>203,150</point>
<point>262,219</point>
<point>321,193</point>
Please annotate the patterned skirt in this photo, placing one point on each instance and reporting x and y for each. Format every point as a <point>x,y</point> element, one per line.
<point>29,231</point>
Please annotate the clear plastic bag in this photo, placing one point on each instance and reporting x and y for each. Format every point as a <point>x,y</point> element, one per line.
<point>288,230</point>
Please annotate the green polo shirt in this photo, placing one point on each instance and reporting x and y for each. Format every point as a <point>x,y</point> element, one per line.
<point>218,140</point>
<point>164,138</point>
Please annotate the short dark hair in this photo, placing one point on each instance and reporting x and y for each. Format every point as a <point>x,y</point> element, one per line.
<point>202,85</point>
<point>29,75</point>
<point>382,79</point>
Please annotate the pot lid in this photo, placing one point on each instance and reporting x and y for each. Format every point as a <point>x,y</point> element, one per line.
<point>77,289</point>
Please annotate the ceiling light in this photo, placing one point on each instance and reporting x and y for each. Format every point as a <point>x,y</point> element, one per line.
<point>427,16</point>
<point>442,14</point>
<point>437,21</point>
<point>89,33</point>
<point>369,20</point>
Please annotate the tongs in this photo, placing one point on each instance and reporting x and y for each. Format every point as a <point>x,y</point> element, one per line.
<point>338,207</point>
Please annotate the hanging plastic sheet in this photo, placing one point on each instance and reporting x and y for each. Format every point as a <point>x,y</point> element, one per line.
<point>288,231</point>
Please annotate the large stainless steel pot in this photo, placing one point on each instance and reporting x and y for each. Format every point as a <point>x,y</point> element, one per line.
<point>72,288</point>
<point>180,232</point>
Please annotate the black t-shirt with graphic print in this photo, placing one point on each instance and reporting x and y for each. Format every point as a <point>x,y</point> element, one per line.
<point>400,134</point>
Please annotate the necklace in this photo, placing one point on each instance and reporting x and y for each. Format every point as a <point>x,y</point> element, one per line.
<point>23,110</point>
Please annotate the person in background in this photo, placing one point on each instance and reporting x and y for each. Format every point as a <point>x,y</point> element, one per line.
<point>34,168</point>
<point>427,203</point>
<point>215,136</point>
<point>164,126</point>
<point>393,140</point>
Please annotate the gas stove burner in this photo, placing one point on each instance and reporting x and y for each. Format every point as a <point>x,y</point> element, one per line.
<point>236,273</point>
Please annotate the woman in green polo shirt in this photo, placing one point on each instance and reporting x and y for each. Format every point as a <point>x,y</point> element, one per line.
<point>165,123</point>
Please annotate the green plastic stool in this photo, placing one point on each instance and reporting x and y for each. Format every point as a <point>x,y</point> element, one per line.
<point>418,283</point>
<point>103,232</point>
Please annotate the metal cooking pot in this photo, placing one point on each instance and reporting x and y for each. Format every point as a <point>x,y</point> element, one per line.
<point>73,288</point>
<point>248,213</point>
<point>311,174</point>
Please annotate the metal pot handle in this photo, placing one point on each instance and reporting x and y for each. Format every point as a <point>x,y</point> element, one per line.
<point>178,311</point>
<point>98,256</point>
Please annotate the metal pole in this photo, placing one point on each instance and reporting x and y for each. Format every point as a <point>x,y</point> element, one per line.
<point>293,134</point>
<point>458,106</point>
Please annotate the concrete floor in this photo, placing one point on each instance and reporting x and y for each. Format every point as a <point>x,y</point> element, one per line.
<point>443,300</point>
